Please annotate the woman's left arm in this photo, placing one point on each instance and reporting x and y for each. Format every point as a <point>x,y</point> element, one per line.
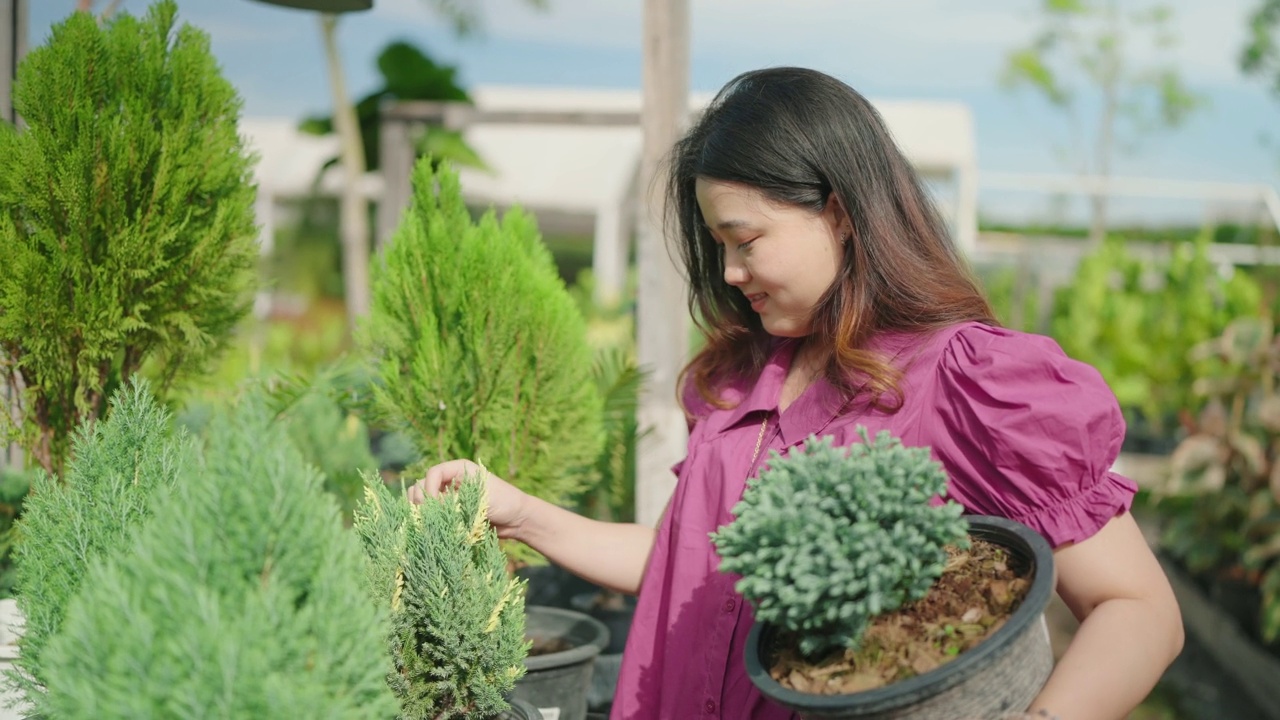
<point>1130,631</point>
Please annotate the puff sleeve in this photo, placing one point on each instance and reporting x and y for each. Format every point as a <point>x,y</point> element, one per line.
<point>1027,433</point>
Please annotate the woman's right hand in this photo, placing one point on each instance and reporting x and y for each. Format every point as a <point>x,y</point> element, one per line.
<point>506,502</point>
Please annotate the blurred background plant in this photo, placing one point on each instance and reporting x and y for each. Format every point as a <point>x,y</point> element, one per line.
<point>1135,321</point>
<point>1221,505</point>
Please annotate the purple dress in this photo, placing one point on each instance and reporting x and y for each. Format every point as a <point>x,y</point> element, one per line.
<point>1023,431</point>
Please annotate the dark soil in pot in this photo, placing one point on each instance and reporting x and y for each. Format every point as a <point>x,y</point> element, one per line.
<point>979,589</point>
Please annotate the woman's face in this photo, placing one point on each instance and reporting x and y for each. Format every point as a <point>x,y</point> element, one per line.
<point>781,257</point>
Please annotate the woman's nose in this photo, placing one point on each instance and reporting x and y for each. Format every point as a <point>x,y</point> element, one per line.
<point>735,273</point>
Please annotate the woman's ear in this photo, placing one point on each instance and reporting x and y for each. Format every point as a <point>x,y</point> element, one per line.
<point>841,225</point>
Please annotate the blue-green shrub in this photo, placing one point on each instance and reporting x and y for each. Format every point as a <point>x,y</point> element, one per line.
<point>827,538</point>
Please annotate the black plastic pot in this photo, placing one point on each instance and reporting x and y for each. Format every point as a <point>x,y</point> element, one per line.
<point>617,620</point>
<point>557,683</point>
<point>608,664</point>
<point>521,710</point>
<point>1001,675</point>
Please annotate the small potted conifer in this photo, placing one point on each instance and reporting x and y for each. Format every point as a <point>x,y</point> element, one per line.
<point>457,616</point>
<point>872,602</point>
<point>480,353</point>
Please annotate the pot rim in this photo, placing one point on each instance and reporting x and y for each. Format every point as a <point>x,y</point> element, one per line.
<point>581,653</point>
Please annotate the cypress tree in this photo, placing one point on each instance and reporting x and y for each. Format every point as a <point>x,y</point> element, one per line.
<point>242,597</point>
<point>126,224</point>
<point>479,347</point>
<point>120,465</point>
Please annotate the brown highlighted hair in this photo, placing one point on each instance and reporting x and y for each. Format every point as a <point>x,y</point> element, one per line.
<point>804,139</point>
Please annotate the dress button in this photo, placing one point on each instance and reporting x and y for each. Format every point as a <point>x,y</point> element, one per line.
<point>730,604</point>
<point>710,707</point>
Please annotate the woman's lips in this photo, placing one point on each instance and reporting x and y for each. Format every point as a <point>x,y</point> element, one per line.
<point>757,300</point>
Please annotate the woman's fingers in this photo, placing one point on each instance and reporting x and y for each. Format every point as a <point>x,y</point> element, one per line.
<point>439,478</point>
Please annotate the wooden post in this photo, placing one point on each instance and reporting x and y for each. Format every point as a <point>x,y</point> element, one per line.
<point>13,44</point>
<point>353,209</point>
<point>396,159</point>
<point>662,325</point>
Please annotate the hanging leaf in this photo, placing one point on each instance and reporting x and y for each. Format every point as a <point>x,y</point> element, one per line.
<point>1246,339</point>
<point>1198,463</point>
<point>1249,449</point>
<point>1213,419</point>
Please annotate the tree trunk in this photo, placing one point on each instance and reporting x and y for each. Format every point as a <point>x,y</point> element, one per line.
<point>1106,129</point>
<point>354,207</point>
<point>662,327</point>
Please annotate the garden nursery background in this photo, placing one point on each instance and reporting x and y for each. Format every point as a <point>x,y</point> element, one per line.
<point>217,233</point>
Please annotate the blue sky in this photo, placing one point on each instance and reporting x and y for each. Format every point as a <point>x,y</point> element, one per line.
<point>939,49</point>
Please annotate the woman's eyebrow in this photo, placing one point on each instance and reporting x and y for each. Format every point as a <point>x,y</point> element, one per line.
<point>734,225</point>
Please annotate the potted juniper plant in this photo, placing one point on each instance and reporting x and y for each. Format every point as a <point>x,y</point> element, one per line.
<point>480,353</point>
<point>873,602</point>
<point>457,616</point>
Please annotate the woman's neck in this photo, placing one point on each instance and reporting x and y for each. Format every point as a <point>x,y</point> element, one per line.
<point>805,368</point>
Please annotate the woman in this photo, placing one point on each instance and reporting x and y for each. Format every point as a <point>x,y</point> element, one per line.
<point>831,297</point>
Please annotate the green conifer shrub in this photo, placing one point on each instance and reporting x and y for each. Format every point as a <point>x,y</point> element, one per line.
<point>241,598</point>
<point>827,538</point>
<point>126,220</point>
<point>457,616</point>
<point>479,348</point>
<point>120,465</point>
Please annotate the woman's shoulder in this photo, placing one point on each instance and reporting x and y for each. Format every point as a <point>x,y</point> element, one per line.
<point>992,354</point>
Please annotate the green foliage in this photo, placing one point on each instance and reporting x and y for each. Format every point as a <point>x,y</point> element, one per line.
<point>1084,48</point>
<point>611,331</point>
<point>241,598</point>
<point>120,465</point>
<point>1013,298</point>
<point>14,486</point>
<point>1135,321</point>
<point>479,347</point>
<point>619,379</point>
<point>1261,54</point>
<point>457,616</point>
<point>1222,503</point>
<point>125,217</point>
<point>408,73</point>
<point>828,538</point>
<point>331,437</point>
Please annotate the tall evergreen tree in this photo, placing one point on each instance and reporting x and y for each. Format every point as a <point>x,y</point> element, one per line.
<point>126,224</point>
<point>481,351</point>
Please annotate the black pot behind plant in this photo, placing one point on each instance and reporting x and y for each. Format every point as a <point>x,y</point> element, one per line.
<point>1003,674</point>
<point>521,710</point>
<point>557,682</point>
<point>616,611</point>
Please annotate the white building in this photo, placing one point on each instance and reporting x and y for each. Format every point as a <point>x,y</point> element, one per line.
<point>578,175</point>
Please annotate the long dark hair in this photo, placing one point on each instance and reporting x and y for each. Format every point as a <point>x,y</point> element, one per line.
<point>802,138</point>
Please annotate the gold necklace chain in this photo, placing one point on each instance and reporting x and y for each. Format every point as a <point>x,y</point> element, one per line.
<point>759,441</point>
